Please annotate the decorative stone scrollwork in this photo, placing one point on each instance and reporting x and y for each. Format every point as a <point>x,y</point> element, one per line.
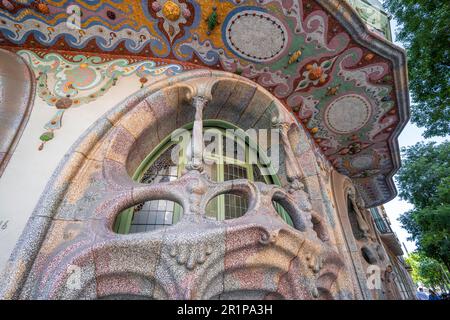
<point>296,188</point>
<point>293,171</point>
<point>319,226</point>
<point>196,191</point>
<point>190,255</point>
<point>268,237</point>
<point>358,205</point>
<point>315,263</point>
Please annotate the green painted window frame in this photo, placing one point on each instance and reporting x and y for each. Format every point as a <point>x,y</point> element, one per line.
<point>124,219</point>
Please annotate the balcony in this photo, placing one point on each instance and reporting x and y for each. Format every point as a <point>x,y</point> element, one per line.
<point>387,235</point>
<point>372,13</point>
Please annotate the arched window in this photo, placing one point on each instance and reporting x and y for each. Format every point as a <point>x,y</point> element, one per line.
<point>229,155</point>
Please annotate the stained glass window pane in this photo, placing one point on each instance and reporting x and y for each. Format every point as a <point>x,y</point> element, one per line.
<point>156,214</point>
<point>235,206</point>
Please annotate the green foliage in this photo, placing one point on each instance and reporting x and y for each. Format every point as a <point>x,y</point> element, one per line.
<point>212,21</point>
<point>430,228</point>
<point>47,136</point>
<point>425,33</point>
<point>427,271</point>
<point>425,173</point>
<point>424,181</point>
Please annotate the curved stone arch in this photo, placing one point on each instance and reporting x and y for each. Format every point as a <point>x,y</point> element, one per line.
<point>303,149</point>
<point>354,26</point>
<point>212,281</point>
<point>328,278</point>
<point>95,270</point>
<point>93,184</point>
<point>279,276</point>
<point>124,284</point>
<point>370,251</point>
<point>103,273</point>
<point>18,86</point>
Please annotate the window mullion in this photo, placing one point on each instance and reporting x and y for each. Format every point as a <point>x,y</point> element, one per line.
<point>221,178</point>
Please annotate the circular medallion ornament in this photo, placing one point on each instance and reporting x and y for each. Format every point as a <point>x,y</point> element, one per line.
<point>347,114</point>
<point>362,162</point>
<point>255,35</point>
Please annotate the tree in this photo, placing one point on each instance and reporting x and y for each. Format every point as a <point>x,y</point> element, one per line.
<point>430,230</point>
<point>428,271</point>
<point>424,31</point>
<point>424,181</point>
<point>425,173</point>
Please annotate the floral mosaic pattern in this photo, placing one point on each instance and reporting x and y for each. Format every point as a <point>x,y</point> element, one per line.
<point>65,84</point>
<point>313,61</point>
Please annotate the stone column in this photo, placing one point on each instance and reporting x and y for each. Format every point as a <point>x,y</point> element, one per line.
<point>294,173</point>
<point>295,176</point>
<point>196,161</point>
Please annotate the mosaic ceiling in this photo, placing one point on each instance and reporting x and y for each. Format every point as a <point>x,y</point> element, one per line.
<point>345,84</point>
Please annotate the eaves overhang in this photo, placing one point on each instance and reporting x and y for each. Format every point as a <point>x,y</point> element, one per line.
<point>347,85</point>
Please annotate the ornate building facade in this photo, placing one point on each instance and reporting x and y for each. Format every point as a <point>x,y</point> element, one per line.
<point>118,117</point>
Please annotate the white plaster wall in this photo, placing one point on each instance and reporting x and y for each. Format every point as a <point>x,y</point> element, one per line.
<point>29,169</point>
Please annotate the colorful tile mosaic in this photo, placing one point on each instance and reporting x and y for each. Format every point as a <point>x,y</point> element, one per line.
<point>65,84</point>
<point>346,84</point>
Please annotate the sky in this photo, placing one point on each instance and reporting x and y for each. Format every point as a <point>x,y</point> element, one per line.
<point>410,135</point>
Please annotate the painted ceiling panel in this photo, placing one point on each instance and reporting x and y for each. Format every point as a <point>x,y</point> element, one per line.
<point>346,84</point>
